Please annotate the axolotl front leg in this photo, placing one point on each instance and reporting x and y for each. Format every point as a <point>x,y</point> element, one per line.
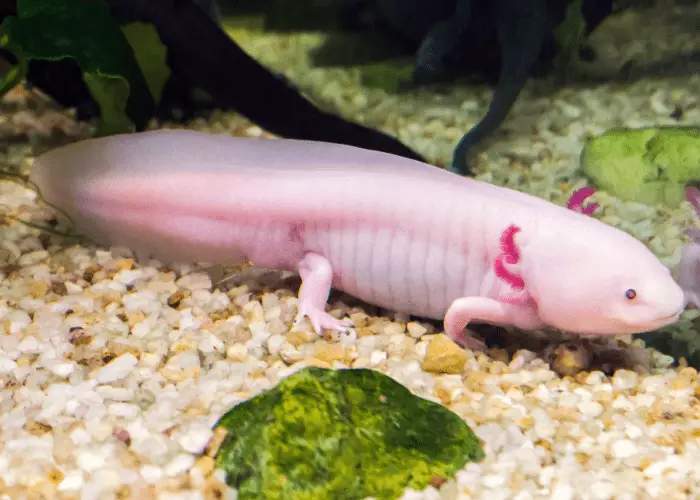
<point>516,309</point>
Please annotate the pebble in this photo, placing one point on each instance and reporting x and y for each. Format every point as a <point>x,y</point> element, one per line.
<point>29,345</point>
<point>196,438</point>
<point>563,492</point>
<point>493,481</point>
<point>416,330</point>
<point>116,369</point>
<point>62,370</point>
<point>195,281</point>
<point>7,365</point>
<point>590,408</point>
<point>151,473</point>
<point>624,379</point>
<point>624,448</point>
<point>444,356</point>
<point>72,481</point>
<point>89,461</point>
<point>179,465</point>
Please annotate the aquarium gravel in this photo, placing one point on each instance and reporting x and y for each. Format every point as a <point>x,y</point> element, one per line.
<point>112,374</point>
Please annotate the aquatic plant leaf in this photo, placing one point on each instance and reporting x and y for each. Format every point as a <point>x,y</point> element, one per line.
<point>150,54</point>
<point>112,94</point>
<point>85,31</point>
<point>678,341</point>
<point>350,434</point>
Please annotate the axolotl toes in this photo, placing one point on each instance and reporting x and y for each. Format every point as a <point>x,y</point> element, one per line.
<point>391,231</point>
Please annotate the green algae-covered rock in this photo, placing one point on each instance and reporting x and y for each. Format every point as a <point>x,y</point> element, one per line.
<point>649,165</point>
<point>341,434</point>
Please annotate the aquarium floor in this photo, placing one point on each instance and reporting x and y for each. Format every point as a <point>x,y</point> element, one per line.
<point>122,406</point>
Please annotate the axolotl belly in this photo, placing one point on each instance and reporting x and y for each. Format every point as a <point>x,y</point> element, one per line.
<point>391,231</point>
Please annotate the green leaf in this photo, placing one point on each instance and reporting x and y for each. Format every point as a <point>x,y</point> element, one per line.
<point>112,94</point>
<point>13,77</point>
<point>150,54</point>
<point>329,434</point>
<point>679,340</point>
<point>28,8</point>
<point>85,31</point>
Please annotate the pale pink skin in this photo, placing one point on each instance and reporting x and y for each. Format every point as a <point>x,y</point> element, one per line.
<point>393,232</point>
<point>689,273</point>
<point>689,268</point>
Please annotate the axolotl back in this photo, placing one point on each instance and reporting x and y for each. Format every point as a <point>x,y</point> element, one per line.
<point>391,231</point>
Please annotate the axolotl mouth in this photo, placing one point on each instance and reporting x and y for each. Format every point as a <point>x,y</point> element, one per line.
<point>671,318</point>
<point>626,328</point>
<point>654,324</point>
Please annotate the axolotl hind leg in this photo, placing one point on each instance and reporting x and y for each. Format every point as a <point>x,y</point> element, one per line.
<point>516,310</point>
<point>316,279</point>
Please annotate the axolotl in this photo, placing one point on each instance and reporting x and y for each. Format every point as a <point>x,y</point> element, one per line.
<point>394,232</point>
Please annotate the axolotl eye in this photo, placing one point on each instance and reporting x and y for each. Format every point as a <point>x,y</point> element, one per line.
<point>631,293</point>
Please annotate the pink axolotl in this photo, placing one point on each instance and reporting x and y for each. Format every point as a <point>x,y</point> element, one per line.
<point>689,268</point>
<point>391,231</point>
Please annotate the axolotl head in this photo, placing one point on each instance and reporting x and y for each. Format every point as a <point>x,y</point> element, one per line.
<point>589,278</point>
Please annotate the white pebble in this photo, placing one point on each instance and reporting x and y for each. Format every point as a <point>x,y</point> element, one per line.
<point>493,481</point>
<point>624,448</point>
<point>155,447</point>
<point>29,345</point>
<point>80,436</point>
<point>91,491</point>
<point>179,465</point>
<point>63,369</point>
<point>196,438</point>
<point>7,365</point>
<point>117,369</point>
<point>124,410</point>
<point>563,492</point>
<point>108,479</point>
<point>590,408</point>
<point>602,490</point>
<point>128,277</point>
<point>195,281</point>
<point>377,357</point>
<point>237,352</point>
<point>151,474</point>
<point>72,288</point>
<point>274,343</point>
<point>624,380</point>
<point>185,359</point>
<point>33,258</point>
<point>188,321</point>
<point>595,378</point>
<point>115,393</point>
<point>72,481</point>
<point>210,343</point>
<point>146,301</point>
<point>89,461</point>
<point>634,432</point>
